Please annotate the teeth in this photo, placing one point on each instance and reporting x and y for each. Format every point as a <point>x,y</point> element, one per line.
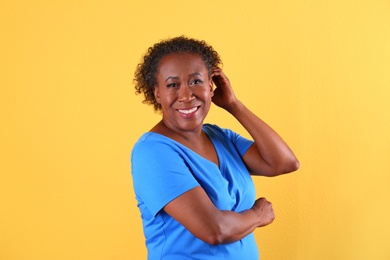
<point>188,111</point>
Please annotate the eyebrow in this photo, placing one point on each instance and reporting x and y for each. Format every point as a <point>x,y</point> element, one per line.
<point>171,77</point>
<point>176,77</point>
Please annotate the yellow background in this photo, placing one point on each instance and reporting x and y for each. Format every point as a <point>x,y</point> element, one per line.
<point>317,71</point>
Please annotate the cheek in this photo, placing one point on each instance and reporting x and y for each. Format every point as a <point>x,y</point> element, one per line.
<point>166,100</point>
<point>209,92</point>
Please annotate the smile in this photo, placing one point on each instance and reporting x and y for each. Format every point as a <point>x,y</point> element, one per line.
<point>188,111</point>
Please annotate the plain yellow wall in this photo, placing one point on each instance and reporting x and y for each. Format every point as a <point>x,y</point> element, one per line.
<point>317,71</point>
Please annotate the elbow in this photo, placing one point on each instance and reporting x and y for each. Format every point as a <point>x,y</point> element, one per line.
<point>287,166</point>
<point>294,165</point>
<point>214,238</point>
<point>214,241</point>
<point>216,234</point>
<point>291,165</point>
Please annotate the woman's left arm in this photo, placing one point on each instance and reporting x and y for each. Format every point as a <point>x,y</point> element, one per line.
<point>269,155</point>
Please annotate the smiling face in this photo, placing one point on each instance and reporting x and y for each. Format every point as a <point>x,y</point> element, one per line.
<point>184,90</point>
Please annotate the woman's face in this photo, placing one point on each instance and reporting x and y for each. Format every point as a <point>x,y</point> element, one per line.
<point>184,90</point>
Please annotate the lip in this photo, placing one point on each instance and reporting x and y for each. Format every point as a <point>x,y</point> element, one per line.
<point>188,112</point>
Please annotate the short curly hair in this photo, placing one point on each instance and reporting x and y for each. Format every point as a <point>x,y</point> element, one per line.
<point>146,72</point>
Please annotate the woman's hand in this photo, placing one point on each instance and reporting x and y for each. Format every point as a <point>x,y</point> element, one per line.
<point>223,94</point>
<point>264,211</point>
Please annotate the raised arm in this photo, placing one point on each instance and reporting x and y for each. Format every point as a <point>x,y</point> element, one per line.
<point>195,211</point>
<point>270,155</point>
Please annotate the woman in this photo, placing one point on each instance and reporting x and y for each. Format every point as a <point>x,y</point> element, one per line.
<point>192,180</point>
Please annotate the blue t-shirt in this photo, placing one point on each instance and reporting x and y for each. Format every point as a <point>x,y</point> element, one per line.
<point>163,169</point>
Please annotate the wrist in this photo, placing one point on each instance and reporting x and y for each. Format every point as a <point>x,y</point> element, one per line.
<point>258,216</point>
<point>234,107</point>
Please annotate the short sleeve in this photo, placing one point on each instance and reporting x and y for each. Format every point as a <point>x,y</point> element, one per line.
<point>241,143</point>
<point>159,174</point>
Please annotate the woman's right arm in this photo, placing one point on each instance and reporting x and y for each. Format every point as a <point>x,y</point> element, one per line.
<point>195,211</point>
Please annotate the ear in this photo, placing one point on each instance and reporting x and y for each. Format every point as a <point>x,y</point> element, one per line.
<point>156,94</point>
<point>211,87</point>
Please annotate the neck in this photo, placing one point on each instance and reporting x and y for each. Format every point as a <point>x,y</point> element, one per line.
<point>185,137</point>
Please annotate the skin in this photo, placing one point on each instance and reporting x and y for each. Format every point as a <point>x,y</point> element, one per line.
<point>185,91</point>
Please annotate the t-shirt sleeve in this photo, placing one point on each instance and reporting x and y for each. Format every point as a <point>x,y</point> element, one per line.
<point>160,174</point>
<point>241,143</point>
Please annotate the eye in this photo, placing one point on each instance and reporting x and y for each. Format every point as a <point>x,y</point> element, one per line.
<point>196,82</point>
<point>172,85</point>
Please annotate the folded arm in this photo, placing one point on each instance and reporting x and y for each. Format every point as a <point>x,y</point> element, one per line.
<point>196,212</point>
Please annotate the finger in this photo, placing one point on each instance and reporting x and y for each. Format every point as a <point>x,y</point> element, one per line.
<point>215,74</point>
<point>217,71</point>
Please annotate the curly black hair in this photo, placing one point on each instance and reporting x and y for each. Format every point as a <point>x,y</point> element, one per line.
<point>145,74</point>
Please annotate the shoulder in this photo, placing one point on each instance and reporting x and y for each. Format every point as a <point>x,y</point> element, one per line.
<point>152,140</point>
<point>228,137</point>
<point>215,130</point>
<point>153,147</point>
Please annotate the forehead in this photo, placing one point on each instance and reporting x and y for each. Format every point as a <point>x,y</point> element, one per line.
<point>181,62</point>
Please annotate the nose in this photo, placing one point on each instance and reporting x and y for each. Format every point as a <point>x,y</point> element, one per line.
<point>185,94</point>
